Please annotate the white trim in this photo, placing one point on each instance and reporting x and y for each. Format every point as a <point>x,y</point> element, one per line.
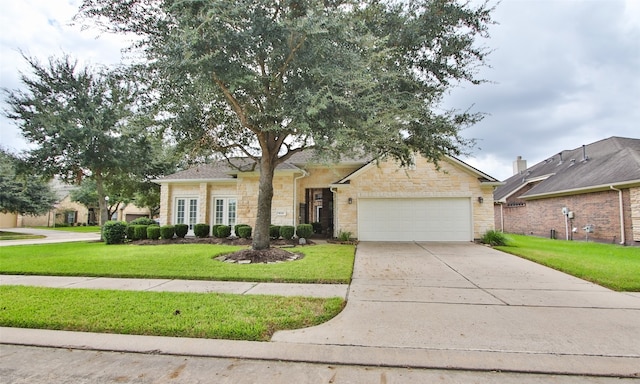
<point>576,191</point>
<point>187,210</point>
<point>225,211</point>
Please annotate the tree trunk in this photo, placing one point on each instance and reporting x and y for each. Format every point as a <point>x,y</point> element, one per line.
<point>265,196</point>
<point>102,203</point>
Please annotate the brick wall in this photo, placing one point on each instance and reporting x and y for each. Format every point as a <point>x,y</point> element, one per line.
<point>539,217</point>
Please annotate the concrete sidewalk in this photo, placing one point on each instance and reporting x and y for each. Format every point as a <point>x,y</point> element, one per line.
<point>431,305</point>
<point>175,285</point>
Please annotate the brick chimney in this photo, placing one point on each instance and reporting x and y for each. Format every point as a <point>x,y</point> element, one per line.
<point>519,166</point>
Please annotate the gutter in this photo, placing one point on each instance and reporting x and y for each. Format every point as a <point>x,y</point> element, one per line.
<point>622,238</point>
<point>295,194</point>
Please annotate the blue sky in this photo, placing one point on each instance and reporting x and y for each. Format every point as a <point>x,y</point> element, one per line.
<point>563,73</point>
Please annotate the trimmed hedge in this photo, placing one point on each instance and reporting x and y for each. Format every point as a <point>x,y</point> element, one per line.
<point>201,230</point>
<point>223,231</point>
<point>181,230</point>
<point>244,232</point>
<point>287,231</point>
<point>274,232</point>
<point>139,232</point>
<point>304,231</point>
<point>129,232</point>
<point>153,232</point>
<point>114,232</point>
<point>167,231</point>
<point>143,221</point>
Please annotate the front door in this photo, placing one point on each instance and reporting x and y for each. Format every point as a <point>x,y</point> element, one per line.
<point>224,212</point>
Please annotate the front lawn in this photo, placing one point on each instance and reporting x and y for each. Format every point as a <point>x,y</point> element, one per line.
<point>321,264</point>
<point>6,235</point>
<point>219,316</point>
<point>612,266</point>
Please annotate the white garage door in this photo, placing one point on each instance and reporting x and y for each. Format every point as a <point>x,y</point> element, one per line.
<point>432,219</point>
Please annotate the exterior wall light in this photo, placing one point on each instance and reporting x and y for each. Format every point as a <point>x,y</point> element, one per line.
<point>350,200</point>
<point>480,199</point>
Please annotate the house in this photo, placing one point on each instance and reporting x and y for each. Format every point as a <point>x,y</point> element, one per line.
<point>590,192</point>
<point>72,213</point>
<point>371,200</point>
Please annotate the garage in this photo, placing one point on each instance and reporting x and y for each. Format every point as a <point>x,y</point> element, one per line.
<point>415,219</point>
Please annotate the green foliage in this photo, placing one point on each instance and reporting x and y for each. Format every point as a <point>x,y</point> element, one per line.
<point>114,232</point>
<point>223,231</point>
<point>304,231</point>
<point>237,226</point>
<point>130,232</point>
<point>142,221</point>
<point>287,231</point>
<point>274,231</point>
<point>167,231</point>
<point>494,238</point>
<point>244,232</point>
<point>153,232</point>
<point>181,230</point>
<point>139,232</point>
<point>344,235</point>
<point>201,230</point>
<point>23,194</point>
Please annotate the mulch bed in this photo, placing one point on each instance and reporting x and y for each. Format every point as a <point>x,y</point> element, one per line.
<point>274,254</point>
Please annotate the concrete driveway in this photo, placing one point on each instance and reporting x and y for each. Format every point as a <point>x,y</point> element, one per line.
<point>50,236</point>
<point>461,303</point>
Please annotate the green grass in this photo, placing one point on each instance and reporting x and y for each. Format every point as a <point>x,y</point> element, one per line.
<point>328,263</point>
<point>219,316</point>
<point>5,235</point>
<point>612,266</point>
<point>81,229</point>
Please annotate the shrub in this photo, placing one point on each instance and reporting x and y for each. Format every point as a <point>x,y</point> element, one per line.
<point>223,231</point>
<point>286,232</point>
<point>139,232</point>
<point>344,235</point>
<point>274,231</point>
<point>317,227</point>
<point>237,226</point>
<point>494,238</point>
<point>129,232</point>
<point>167,231</point>
<point>143,221</point>
<point>304,231</point>
<point>153,232</point>
<point>244,232</point>
<point>214,229</point>
<point>201,230</point>
<point>114,232</point>
<point>181,230</point>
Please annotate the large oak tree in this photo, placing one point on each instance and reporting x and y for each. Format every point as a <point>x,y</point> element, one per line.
<point>268,78</point>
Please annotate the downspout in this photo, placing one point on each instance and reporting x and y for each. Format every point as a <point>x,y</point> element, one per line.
<point>295,195</point>
<point>623,240</point>
<point>335,212</point>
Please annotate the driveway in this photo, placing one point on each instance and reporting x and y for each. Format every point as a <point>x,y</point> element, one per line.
<point>50,236</point>
<point>462,298</point>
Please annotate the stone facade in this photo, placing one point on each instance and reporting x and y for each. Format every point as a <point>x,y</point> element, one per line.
<point>385,179</point>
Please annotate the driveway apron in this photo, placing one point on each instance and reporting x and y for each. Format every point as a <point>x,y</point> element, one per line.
<point>468,297</point>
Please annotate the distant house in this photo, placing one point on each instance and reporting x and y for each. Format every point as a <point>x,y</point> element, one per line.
<point>373,201</point>
<point>73,213</point>
<point>590,192</point>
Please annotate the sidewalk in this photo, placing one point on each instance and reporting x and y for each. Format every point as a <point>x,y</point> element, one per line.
<point>173,285</point>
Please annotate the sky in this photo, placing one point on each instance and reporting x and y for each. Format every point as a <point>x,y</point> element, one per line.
<point>562,73</point>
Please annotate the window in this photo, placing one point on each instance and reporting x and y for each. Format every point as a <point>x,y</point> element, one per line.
<point>186,211</point>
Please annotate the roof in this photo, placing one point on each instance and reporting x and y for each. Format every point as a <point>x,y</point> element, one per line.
<point>610,162</point>
<point>221,170</point>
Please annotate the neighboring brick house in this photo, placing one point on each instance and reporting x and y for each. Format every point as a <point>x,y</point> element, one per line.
<point>373,201</point>
<point>589,192</point>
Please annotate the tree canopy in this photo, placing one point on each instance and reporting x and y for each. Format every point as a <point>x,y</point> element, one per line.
<point>266,79</point>
<point>23,194</point>
<point>81,121</point>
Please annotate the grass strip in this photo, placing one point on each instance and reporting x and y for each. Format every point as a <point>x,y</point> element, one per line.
<point>612,266</point>
<point>327,263</point>
<point>211,315</point>
<point>6,235</point>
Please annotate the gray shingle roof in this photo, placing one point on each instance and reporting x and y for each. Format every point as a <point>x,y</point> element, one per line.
<point>611,161</point>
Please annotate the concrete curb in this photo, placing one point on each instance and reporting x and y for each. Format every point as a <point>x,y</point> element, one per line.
<point>505,361</point>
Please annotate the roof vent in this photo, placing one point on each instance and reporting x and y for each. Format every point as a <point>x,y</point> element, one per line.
<point>572,162</point>
<point>561,161</point>
<point>584,153</point>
